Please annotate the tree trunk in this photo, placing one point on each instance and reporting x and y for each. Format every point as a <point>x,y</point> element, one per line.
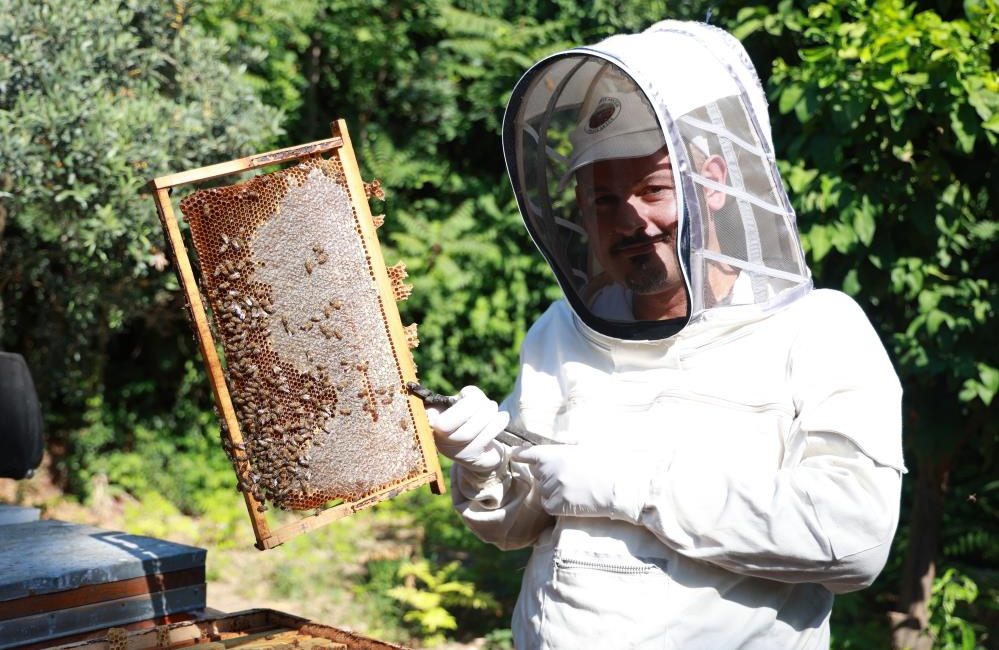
<point>910,625</point>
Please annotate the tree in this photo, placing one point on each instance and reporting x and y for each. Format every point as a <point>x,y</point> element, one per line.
<point>97,98</point>
<point>888,123</point>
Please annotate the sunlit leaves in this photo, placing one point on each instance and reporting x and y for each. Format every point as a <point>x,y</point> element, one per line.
<point>888,114</point>
<point>96,98</point>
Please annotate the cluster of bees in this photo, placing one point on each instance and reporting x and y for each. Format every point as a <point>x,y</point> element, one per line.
<point>277,405</point>
<point>282,412</point>
<point>285,407</point>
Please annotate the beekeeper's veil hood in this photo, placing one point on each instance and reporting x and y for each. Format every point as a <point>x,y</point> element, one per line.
<point>680,93</point>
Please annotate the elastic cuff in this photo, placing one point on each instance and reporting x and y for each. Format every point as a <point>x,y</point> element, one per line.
<point>485,487</point>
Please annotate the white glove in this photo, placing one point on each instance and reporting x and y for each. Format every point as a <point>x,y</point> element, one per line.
<point>465,431</point>
<point>591,481</point>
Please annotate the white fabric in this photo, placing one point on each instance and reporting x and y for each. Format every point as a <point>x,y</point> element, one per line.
<point>612,302</point>
<point>591,480</point>
<point>706,96</point>
<point>615,125</point>
<point>695,79</point>
<point>769,479</point>
<point>728,52</point>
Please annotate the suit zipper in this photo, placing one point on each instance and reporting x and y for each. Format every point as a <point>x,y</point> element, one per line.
<point>624,569</point>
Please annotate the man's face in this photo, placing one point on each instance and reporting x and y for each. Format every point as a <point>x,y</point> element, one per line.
<point>630,214</point>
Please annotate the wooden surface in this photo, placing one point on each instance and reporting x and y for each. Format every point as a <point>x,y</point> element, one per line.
<point>244,164</point>
<point>59,579</point>
<point>253,629</point>
<point>154,583</point>
<point>46,626</point>
<point>139,627</point>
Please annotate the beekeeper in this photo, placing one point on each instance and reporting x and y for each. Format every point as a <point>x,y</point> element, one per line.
<point>732,452</point>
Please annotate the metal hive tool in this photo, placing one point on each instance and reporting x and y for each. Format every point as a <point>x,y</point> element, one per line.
<point>312,394</point>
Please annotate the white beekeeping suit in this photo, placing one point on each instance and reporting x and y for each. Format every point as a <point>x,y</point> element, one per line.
<point>731,460</point>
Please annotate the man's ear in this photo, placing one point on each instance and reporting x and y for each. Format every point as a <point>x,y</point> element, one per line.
<point>715,169</point>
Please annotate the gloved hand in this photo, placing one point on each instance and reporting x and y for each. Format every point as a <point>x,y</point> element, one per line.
<point>465,431</point>
<point>592,481</point>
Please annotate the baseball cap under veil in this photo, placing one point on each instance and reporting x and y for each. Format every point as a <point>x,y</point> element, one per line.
<point>588,105</point>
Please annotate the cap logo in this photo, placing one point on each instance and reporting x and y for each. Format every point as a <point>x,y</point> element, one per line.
<point>607,110</point>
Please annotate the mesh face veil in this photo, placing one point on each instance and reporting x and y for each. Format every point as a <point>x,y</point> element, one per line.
<point>644,170</point>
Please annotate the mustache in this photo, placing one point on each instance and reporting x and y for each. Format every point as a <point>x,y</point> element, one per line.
<point>641,239</point>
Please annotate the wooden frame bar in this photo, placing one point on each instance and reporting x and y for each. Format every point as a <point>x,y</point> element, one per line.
<point>339,144</point>
<point>246,164</point>
<point>255,628</point>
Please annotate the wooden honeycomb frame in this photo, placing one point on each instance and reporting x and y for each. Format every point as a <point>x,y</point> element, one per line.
<point>389,287</point>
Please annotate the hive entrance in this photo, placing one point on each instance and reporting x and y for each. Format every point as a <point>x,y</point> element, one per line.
<point>312,389</point>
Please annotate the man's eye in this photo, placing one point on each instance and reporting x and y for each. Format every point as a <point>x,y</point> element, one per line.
<point>604,200</point>
<point>658,190</point>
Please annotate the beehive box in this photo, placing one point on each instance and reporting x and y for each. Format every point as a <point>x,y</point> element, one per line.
<point>259,629</point>
<point>311,381</point>
<point>59,579</point>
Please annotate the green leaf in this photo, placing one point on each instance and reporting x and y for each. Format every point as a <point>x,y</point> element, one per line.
<point>989,383</point>
<point>984,101</point>
<point>815,54</point>
<point>819,242</point>
<point>790,95</point>
<point>851,283</point>
<point>434,619</point>
<point>963,129</point>
<point>415,598</point>
<point>863,221</point>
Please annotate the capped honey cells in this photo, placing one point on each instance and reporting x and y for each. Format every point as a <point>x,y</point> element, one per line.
<point>309,360</point>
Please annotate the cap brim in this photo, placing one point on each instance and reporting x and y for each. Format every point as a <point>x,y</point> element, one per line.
<point>623,145</point>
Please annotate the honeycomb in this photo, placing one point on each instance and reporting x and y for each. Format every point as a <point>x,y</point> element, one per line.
<point>309,361</point>
<point>117,638</point>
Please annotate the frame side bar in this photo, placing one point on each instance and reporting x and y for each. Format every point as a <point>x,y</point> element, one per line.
<point>207,345</point>
<point>390,309</point>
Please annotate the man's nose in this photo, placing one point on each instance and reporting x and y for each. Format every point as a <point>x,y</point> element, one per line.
<point>634,215</point>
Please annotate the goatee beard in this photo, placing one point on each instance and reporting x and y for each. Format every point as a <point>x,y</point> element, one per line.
<point>648,275</point>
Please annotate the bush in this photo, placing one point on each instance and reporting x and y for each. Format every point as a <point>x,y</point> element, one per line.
<point>96,98</point>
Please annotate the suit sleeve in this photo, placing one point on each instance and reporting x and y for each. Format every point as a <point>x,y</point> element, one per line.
<point>828,513</point>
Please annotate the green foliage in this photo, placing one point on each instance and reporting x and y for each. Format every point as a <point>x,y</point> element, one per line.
<point>268,38</point>
<point>430,592</point>
<point>950,631</point>
<point>886,126</point>
<point>500,639</point>
<point>899,212</point>
<point>188,467</point>
<point>158,517</point>
<point>96,98</point>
